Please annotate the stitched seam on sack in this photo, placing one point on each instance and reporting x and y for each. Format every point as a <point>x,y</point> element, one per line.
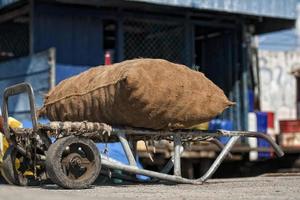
<point>84,93</point>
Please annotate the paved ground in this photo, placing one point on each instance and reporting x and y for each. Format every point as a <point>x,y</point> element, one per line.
<point>277,187</point>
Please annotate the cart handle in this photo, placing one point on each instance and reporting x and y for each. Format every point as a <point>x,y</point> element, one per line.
<point>12,91</point>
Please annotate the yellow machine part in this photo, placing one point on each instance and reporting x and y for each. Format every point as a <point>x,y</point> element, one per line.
<point>202,126</point>
<point>13,123</point>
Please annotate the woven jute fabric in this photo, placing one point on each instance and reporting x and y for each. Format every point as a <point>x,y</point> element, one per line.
<point>148,93</point>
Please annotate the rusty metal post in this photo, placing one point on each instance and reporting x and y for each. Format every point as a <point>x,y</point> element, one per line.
<point>15,90</point>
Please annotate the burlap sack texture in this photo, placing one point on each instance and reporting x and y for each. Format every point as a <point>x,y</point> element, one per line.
<point>148,93</point>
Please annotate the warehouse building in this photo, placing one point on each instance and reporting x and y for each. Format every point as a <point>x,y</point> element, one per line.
<point>213,35</point>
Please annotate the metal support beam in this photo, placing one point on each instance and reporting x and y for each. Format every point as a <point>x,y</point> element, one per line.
<point>174,178</point>
<point>220,158</point>
<point>12,91</point>
<point>144,172</point>
<point>14,14</point>
<point>120,37</point>
<point>167,168</point>
<point>177,159</point>
<point>31,27</point>
<point>127,149</point>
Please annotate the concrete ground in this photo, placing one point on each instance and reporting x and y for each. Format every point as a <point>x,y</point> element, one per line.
<point>263,187</point>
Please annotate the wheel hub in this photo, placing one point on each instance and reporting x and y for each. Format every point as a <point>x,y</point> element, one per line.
<point>75,161</point>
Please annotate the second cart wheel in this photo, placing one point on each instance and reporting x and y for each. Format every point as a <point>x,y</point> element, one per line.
<point>16,169</point>
<point>73,162</point>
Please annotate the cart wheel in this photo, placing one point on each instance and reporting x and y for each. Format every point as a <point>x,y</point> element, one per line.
<point>73,162</point>
<point>16,168</point>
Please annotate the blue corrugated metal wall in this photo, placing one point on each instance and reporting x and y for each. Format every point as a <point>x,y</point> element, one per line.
<point>34,70</point>
<point>76,37</point>
<point>279,41</point>
<point>66,71</point>
<point>271,8</point>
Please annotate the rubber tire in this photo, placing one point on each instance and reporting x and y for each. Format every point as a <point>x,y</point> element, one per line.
<point>8,171</point>
<point>53,163</point>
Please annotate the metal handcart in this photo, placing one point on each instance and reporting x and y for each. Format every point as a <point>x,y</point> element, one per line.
<point>65,152</point>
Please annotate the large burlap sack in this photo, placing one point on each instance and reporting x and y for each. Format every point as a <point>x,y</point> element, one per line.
<point>149,93</point>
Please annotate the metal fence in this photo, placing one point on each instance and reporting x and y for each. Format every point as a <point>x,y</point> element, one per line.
<point>14,40</point>
<point>149,38</point>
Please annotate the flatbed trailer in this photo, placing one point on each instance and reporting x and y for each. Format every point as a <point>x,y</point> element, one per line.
<point>65,152</point>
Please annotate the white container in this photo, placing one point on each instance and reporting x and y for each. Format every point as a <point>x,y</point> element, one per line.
<point>252,126</point>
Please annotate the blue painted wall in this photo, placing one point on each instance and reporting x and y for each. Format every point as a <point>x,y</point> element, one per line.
<point>34,70</point>
<point>77,38</point>
<point>279,41</point>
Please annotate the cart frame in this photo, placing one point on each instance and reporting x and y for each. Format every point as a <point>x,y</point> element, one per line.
<point>125,136</point>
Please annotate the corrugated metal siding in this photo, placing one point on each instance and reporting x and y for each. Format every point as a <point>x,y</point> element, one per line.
<point>279,41</point>
<point>35,70</point>
<point>63,72</point>
<point>77,38</point>
<point>270,8</point>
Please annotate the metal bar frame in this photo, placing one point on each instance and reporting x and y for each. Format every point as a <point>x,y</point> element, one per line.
<point>16,90</point>
<point>122,133</point>
<point>128,151</point>
<point>176,159</point>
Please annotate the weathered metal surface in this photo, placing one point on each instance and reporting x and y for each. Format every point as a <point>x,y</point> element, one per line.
<point>36,70</point>
<point>77,38</point>
<point>235,135</point>
<point>177,154</point>
<point>79,126</point>
<point>220,158</point>
<point>127,149</point>
<point>177,177</point>
<point>124,135</point>
<point>17,90</point>
<point>270,8</point>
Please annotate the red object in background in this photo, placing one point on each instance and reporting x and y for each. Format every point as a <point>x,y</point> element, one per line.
<point>271,127</point>
<point>289,126</point>
<point>298,97</point>
<point>107,58</point>
<point>270,120</point>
